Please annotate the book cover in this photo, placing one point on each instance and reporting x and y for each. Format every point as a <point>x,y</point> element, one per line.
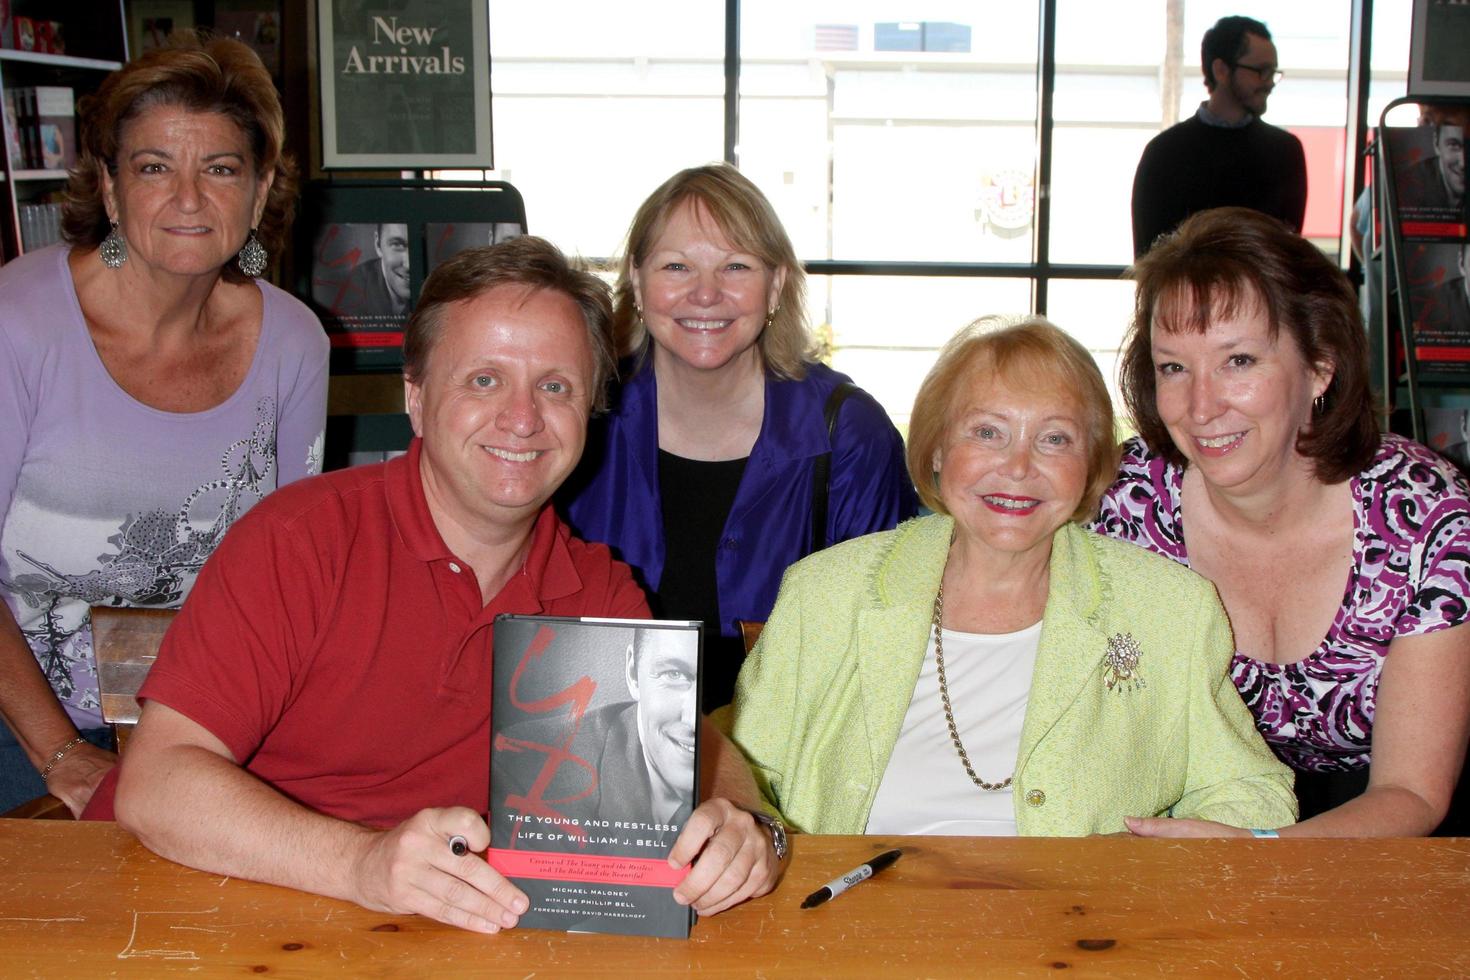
<point>594,767</point>
<point>1429,181</point>
<point>1439,301</point>
<point>361,282</point>
<point>56,127</point>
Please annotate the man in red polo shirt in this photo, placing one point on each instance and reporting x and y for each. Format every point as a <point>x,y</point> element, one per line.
<point>318,716</point>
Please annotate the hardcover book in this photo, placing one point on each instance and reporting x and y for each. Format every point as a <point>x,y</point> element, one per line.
<point>13,148</point>
<point>362,282</point>
<point>56,127</point>
<point>25,114</point>
<point>1438,275</point>
<point>594,765</point>
<point>1429,181</point>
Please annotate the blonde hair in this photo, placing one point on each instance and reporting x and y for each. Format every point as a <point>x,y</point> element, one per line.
<point>1033,353</point>
<point>746,218</point>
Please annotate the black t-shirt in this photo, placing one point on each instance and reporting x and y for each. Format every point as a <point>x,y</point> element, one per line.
<point>697,497</point>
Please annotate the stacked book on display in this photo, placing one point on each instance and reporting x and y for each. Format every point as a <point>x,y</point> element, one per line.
<point>594,769</point>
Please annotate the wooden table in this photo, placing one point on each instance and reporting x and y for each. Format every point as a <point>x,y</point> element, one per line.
<point>87,900</point>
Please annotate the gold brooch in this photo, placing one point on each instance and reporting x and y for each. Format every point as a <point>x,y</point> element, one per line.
<point>1122,660</point>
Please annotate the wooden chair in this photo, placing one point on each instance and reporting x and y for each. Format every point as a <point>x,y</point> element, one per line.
<point>125,642</point>
<point>750,631</point>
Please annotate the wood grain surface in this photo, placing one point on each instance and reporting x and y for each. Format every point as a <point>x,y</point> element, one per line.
<point>87,900</point>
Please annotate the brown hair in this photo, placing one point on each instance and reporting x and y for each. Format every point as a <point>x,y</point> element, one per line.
<point>742,213</point>
<point>1031,352</point>
<point>1223,262</point>
<point>201,74</point>
<point>525,261</point>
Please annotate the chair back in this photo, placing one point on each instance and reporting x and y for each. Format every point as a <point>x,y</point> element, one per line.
<point>126,643</point>
<point>750,631</point>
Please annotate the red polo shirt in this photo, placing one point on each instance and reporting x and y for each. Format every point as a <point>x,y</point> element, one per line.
<point>343,654</point>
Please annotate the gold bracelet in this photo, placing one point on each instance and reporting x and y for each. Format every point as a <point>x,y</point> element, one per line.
<point>60,754</point>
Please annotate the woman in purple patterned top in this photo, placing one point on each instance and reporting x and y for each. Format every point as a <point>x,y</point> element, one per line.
<point>1342,556</point>
<point>152,386</point>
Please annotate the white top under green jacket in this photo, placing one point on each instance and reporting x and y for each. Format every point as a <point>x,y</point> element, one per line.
<point>821,699</point>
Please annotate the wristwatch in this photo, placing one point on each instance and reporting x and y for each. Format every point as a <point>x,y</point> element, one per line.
<point>777,829</point>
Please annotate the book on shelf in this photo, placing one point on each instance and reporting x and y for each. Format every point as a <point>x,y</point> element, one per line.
<point>593,772</point>
<point>56,127</point>
<point>44,124</point>
<point>14,149</point>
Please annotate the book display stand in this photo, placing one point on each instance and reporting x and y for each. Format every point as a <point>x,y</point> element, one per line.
<point>1420,346</point>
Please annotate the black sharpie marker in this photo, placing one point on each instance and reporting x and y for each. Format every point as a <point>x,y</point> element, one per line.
<point>857,875</point>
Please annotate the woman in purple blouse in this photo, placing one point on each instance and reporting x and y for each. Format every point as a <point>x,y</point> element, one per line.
<point>152,386</point>
<point>1342,555</point>
<point>706,475</point>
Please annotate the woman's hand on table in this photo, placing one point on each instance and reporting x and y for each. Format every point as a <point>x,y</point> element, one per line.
<point>732,854</point>
<point>414,868</point>
<point>75,778</point>
<point>1169,827</point>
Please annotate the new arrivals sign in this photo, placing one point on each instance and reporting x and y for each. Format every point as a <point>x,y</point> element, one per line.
<point>405,84</point>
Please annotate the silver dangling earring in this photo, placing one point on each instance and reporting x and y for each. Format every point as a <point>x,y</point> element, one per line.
<point>1319,404</point>
<point>114,249</point>
<point>253,257</point>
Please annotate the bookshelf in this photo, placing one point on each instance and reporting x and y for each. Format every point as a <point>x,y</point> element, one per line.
<point>96,43</point>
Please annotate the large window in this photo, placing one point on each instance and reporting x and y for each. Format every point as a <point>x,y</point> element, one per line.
<point>901,142</point>
<point>596,103</point>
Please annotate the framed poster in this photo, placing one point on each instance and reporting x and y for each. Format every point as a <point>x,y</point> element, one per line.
<point>150,22</point>
<point>1439,49</point>
<point>405,84</point>
<point>369,245</point>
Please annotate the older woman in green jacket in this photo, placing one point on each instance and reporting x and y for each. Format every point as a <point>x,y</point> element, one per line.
<point>994,668</point>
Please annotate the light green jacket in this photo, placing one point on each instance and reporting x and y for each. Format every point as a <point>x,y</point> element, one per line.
<point>821,699</point>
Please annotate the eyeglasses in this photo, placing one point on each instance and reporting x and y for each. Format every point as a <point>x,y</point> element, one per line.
<point>1264,72</point>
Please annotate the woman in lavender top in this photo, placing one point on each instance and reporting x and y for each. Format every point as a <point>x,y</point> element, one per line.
<point>152,388</point>
<point>1342,556</point>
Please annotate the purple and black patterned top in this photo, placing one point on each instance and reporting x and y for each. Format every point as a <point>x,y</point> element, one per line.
<point>1410,575</point>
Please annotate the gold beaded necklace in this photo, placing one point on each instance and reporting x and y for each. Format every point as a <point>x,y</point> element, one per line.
<point>954,731</point>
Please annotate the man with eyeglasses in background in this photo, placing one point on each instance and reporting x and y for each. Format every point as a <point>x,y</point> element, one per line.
<point>1224,154</point>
